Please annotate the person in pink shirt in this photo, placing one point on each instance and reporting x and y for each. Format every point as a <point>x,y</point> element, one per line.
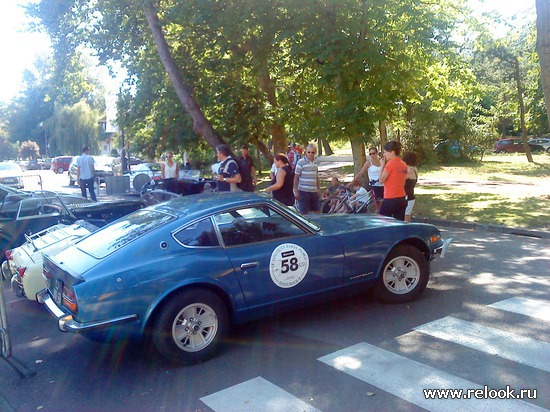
<point>393,177</point>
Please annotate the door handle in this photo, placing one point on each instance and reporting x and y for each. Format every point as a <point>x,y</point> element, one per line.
<point>249,265</point>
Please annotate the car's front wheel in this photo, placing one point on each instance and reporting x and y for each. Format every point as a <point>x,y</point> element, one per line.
<point>190,327</point>
<point>404,275</point>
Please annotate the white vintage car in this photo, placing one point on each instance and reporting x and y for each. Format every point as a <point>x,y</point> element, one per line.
<point>24,263</point>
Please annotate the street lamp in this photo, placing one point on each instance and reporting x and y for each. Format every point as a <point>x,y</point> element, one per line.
<point>45,139</point>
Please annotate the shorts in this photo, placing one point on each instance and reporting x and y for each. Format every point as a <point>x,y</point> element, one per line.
<point>409,209</point>
<point>309,202</point>
<point>394,207</point>
<point>378,192</point>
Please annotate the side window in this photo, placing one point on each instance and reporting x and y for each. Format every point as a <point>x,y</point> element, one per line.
<point>254,224</point>
<point>199,234</point>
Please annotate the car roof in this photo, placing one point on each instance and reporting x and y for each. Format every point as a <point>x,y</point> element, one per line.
<point>209,203</point>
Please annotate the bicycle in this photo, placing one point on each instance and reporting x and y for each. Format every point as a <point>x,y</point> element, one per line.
<point>342,204</point>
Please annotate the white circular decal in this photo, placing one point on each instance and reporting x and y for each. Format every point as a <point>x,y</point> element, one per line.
<point>288,265</point>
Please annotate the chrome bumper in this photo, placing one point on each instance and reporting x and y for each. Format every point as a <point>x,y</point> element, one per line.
<point>66,322</point>
<point>441,250</point>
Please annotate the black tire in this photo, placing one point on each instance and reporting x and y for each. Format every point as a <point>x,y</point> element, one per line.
<point>404,275</point>
<point>325,206</point>
<point>71,181</point>
<point>202,320</point>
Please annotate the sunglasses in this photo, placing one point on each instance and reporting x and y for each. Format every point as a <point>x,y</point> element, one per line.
<point>312,152</point>
<point>371,153</point>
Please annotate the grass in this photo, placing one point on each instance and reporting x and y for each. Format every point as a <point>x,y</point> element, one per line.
<point>502,189</point>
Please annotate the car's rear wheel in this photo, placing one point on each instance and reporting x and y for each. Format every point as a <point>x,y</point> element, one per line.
<point>404,275</point>
<point>548,150</point>
<point>60,170</point>
<point>190,327</point>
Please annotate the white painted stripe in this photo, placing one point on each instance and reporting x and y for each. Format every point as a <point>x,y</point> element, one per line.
<point>507,345</point>
<point>258,395</point>
<point>533,308</point>
<point>407,379</point>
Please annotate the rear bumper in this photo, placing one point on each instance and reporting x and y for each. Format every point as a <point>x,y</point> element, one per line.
<point>67,323</point>
<point>442,250</point>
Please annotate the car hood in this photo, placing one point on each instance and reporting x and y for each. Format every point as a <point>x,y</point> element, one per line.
<point>334,224</point>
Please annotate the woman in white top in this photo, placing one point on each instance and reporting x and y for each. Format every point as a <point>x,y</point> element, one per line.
<point>373,166</point>
<point>169,172</point>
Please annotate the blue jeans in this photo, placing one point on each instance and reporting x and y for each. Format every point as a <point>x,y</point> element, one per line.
<point>88,183</point>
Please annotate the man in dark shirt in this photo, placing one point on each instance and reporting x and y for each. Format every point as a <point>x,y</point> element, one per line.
<point>228,172</point>
<point>248,176</point>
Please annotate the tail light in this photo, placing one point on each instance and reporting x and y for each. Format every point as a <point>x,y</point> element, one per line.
<point>69,298</point>
<point>22,271</point>
<point>9,254</point>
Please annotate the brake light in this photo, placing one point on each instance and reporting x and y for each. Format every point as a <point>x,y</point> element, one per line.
<point>22,271</point>
<point>9,254</point>
<point>69,298</point>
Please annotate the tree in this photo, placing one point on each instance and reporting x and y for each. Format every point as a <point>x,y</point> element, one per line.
<point>29,150</point>
<point>543,48</point>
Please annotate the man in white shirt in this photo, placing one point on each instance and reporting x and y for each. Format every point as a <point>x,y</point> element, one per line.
<point>86,172</point>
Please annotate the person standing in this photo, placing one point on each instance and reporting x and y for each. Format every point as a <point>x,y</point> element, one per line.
<point>169,172</point>
<point>248,176</point>
<point>411,161</point>
<point>282,184</point>
<point>306,182</point>
<point>186,161</point>
<point>85,173</point>
<point>393,177</point>
<point>373,166</point>
<point>292,155</point>
<point>228,171</point>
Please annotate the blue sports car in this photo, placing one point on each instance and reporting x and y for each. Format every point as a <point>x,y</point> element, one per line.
<point>182,272</point>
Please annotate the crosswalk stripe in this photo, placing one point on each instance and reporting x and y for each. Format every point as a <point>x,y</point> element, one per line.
<point>507,345</point>
<point>407,379</point>
<point>529,307</point>
<point>257,394</point>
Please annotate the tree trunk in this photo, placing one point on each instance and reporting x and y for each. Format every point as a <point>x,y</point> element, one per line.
<point>359,158</point>
<point>522,111</point>
<point>263,148</point>
<point>268,86</point>
<point>543,48</point>
<point>383,133</point>
<point>200,124</point>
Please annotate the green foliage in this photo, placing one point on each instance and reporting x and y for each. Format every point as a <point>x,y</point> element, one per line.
<point>72,127</point>
<point>29,150</point>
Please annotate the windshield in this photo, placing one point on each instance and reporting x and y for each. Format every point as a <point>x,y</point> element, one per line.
<point>122,232</point>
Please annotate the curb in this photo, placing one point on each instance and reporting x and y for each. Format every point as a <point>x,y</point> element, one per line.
<point>539,234</point>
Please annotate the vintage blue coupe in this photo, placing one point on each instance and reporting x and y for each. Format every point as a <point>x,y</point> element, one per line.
<point>182,272</point>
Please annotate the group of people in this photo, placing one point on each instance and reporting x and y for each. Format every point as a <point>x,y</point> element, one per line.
<point>295,178</point>
<point>392,180</point>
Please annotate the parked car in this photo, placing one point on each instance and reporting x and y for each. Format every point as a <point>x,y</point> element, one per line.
<point>33,164</point>
<point>190,182</point>
<point>509,145</point>
<point>11,175</point>
<point>60,164</point>
<point>23,212</point>
<point>103,167</point>
<point>540,144</point>
<point>24,263</point>
<point>182,271</point>
<point>453,149</point>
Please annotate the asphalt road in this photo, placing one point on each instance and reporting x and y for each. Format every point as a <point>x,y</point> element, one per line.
<point>282,361</point>
<point>483,320</point>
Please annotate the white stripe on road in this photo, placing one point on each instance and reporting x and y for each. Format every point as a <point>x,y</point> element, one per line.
<point>529,307</point>
<point>507,345</point>
<point>407,379</point>
<point>258,395</point>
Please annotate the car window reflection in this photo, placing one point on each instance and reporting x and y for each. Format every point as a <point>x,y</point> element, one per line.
<point>255,224</point>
